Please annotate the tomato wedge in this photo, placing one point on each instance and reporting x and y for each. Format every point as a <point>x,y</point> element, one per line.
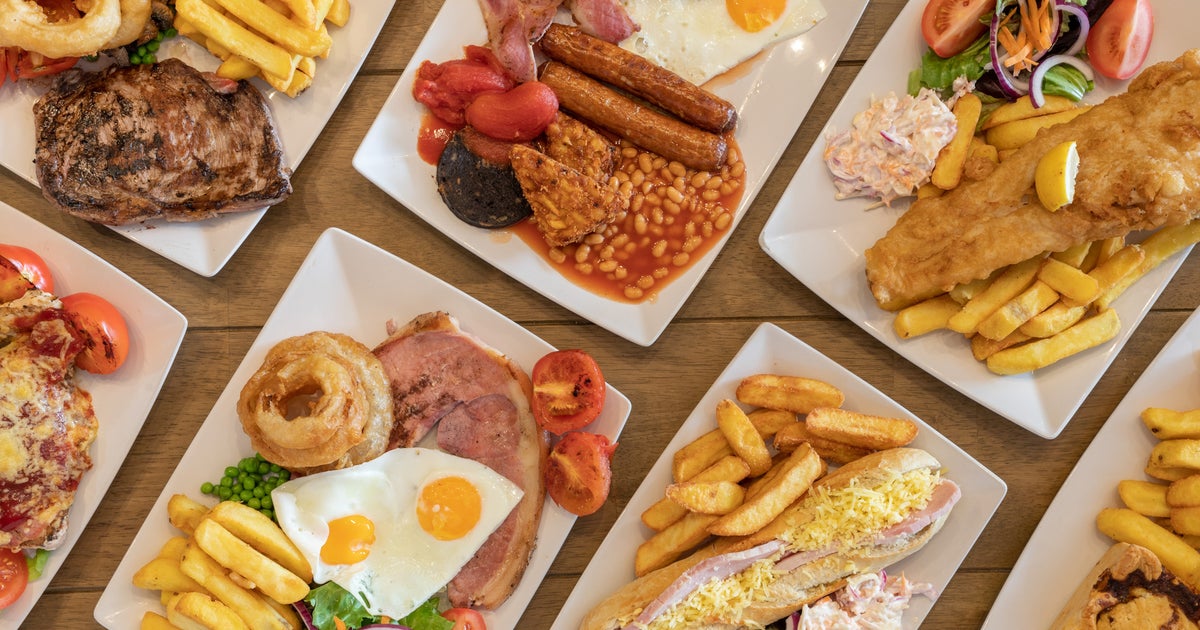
<point>579,472</point>
<point>14,575</point>
<point>103,329</point>
<point>28,262</point>
<point>568,391</point>
<point>1119,41</point>
<point>949,26</point>
<point>465,619</point>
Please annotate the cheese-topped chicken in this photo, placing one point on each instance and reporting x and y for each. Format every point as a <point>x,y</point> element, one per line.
<point>46,423</point>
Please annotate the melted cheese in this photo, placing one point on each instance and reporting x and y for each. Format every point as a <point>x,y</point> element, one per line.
<point>845,517</point>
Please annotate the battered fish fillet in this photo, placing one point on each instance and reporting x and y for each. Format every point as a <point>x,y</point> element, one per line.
<point>1139,169</point>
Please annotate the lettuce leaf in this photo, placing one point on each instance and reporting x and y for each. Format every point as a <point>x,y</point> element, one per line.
<point>329,600</point>
<point>1064,80</point>
<point>37,563</point>
<point>939,74</point>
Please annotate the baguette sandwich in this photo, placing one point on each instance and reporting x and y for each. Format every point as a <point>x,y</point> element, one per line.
<point>861,518</point>
<point>1129,589</point>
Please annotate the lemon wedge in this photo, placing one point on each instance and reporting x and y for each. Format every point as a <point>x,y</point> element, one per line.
<point>1054,178</point>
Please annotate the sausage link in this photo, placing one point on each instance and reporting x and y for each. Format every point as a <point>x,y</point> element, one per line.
<point>643,126</point>
<point>612,64</point>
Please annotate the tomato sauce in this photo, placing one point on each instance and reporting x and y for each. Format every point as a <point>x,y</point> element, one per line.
<point>433,136</point>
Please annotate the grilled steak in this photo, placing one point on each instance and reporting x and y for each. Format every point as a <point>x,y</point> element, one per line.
<point>157,141</point>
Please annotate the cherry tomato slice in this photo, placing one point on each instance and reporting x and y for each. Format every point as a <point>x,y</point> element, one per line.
<point>26,65</point>
<point>949,26</point>
<point>14,575</point>
<point>12,283</point>
<point>105,335</point>
<point>32,265</point>
<point>465,619</point>
<point>579,472</point>
<point>1119,41</point>
<point>568,391</point>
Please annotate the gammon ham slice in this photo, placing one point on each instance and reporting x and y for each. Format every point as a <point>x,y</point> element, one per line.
<point>481,398</point>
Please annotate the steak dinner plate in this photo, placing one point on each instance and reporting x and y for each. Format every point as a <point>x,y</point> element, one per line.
<point>770,349</point>
<point>772,93</point>
<point>1066,543</point>
<point>821,242</point>
<point>123,399</point>
<point>205,246</point>
<point>343,273</point>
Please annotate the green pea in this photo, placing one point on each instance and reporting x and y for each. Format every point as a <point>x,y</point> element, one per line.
<point>231,471</point>
<point>224,493</point>
<point>268,513</point>
<point>245,495</point>
<point>152,58</point>
<point>206,487</point>
<point>276,468</point>
<point>260,492</point>
<point>226,482</point>
<point>152,46</point>
<point>248,464</point>
<point>264,468</point>
<point>171,32</point>
<point>267,502</point>
<point>248,483</point>
<point>254,503</point>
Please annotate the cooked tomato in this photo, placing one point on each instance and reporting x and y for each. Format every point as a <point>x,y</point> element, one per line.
<point>105,336</point>
<point>14,574</point>
<point>568,391</point>
<point>465,619</point>
<point>1119,41</point>
<point>949,26</point>
<point>518,115</point>
<point>26,65</point>
<point>31,264</point>
<point>12,284</point>
<point>579,472</point>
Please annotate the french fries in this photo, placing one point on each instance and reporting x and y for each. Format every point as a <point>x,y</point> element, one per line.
<point>277,40</point>
<point>859,429</point>
<point>1145,497</point>
<point>1124,525</point>
<point>1006,319</point>
<point>707,497</point>
<point>240,561</point>
<point>1012,135</point>
<point>1023,108</point>
<point>1007,286</point>
<point>1159,246</point>
<point>927,316</point>
<point>1167,424</point>
<point>1183,493</point>
<point>789,393</point>
<point>948,169</point>
<point>1088,333</point>
<point>669,544</point>
<point>831,451</point>
<point>793,479</point>
<point>743,438</point>
<point>665,512</point>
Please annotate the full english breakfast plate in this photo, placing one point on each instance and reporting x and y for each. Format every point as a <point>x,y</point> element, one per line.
<point>343,272</point>
<point>821,241</point>
<point>204,247</point>
<point>771,350</point>
<point>123,399</point>
<point>1067,542</point>
<point>771,93</point>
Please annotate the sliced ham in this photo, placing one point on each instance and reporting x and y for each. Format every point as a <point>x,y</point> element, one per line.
<point>437,372</point>
<point>944,496</point>
<point>495,432</point>
<point>714,568</point>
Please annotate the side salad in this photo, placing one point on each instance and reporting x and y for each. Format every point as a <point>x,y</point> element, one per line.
<point>1010,48</point>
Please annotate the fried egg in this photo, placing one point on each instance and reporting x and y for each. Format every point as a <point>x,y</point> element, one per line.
<point>393,531</point>
<point>699,39</point>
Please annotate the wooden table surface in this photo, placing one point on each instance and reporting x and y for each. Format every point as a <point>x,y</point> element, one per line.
<point>743,288</point>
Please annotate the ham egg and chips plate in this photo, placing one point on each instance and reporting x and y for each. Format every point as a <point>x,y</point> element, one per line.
<point>771,92</point>
<point>771,350</point>
<point>342,271</point>
<point>1067,542</point>
<point>121,400</point>
<point>821,241</point>
<point>206,246</point>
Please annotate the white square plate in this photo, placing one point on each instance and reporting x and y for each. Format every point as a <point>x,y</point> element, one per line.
<point>1066,543</point>
<point>821,242</point>
<point>772,350</point>
<point>123,399</point>
<point>205,246</point>
<point>350,286</point>
<point>772,94</point>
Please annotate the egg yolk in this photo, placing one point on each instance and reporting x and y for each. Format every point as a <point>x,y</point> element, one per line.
<point>350,539</point>
<point>448,508</point>
<point>755,15</point>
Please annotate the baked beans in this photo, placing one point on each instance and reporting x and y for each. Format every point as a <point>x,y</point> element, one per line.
<point>675,215</point>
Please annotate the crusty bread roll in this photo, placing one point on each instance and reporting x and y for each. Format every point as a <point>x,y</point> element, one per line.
<point>1128,589</point>
<point>804,584</point>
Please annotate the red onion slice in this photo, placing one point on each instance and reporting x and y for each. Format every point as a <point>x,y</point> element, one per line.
<point>1011,87</point>
<point>1084,25</point>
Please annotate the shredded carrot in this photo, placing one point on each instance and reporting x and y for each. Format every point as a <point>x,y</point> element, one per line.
<point>1034,33</point>
<point>338,623</point>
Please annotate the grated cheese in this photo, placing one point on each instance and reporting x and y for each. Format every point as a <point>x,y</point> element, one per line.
<point>845,517</point>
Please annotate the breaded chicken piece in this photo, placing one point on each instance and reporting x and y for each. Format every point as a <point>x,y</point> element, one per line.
<point>1139,169</point>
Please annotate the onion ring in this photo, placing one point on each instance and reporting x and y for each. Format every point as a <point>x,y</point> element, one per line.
<point>349,418</point>
<point>134,15</point>
<point>23,24</point>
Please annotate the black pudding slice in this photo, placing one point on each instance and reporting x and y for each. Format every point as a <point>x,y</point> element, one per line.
<point>481,192</point>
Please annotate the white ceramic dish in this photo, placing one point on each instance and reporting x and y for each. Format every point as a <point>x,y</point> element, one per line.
<point>1066,543</point>
<point>821,242</point>
<point>342,273</point>
<point>772,94</point>
<point>123,399</point>
<point>772,350</point>
<point>204,247</point>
